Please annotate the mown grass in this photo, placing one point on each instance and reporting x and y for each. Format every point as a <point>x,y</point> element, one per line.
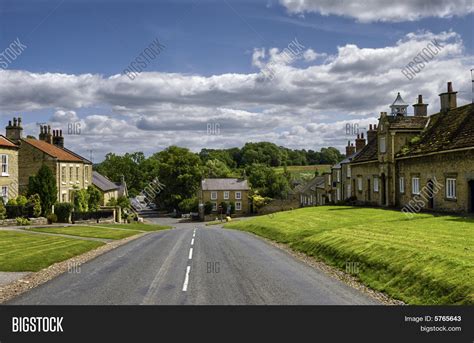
<point>425,260</point>
<point>21,252</point>
<point>137,226</point>
<point>89,231</point>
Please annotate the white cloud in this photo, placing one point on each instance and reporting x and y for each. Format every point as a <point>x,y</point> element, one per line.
<point>302,107</point>
<point>385,11</point>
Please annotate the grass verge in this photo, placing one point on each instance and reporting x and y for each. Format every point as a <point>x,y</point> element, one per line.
<point>88,231</point>
<point>138,226</point>
<point>428,259</point>
<point>21,252</point>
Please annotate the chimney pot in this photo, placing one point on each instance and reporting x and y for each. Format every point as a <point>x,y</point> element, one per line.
<point>420,99</point>
<point>450,86</point>
<point>448,100</point>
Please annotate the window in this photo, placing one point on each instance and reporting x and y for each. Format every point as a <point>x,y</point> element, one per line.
<point>402,184</point>
<point>383,147</point>
<point>4,165</point>
<point>5,194</point>
<point>330,178</point>
<point>415,185</point>
<point>71,170</point>
<point>86,173</point>
<point>213,195</point>
<point>63,197</point>
<point>338,194</point>
<point>63,174</point>
<point>349,191</point>
<point>238,206</point>
<point>77,173</point>
<point>214,206</point>
<point>338,175</point>
<point>238,195</point>
<point>376,184</point>
<point>348,171</point>
<point>226,195</point>
<point>359,184</point>
<point>451,188</point>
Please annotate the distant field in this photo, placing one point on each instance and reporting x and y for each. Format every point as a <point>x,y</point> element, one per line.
<point>304,172</point>
<point>21,252</point>
<point>424,260</point>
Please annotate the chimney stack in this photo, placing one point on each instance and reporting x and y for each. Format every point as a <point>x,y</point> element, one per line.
<point>45,134</point>
<point>360,142</point>
<point>14,132</point>
<point>421,109</point>
<point>58,138</point>
<point>350,149</point>
<point>448,99</point>
<point>371,133</point>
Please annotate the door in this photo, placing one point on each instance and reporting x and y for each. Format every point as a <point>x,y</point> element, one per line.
<point>471,196</point>
<point>368,190</point>
<point>430,191</point>
<point>383,191</point>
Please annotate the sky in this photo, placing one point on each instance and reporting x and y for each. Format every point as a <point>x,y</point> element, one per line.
<point>218,74</point>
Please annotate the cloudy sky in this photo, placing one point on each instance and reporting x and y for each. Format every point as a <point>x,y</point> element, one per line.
<point>221,73</point>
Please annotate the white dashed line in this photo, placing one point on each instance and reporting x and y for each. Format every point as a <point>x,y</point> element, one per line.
<point>186,279</point>
<point>190,253</point>
<point>192,241</point>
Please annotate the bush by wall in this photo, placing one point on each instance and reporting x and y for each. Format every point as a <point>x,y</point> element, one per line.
<point>63,210</point>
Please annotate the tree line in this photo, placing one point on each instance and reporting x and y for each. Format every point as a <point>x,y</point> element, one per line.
<point>180,170</point>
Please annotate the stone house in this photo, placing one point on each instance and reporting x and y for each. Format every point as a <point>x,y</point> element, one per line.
<point>226,190</point>
<point>307,191</point>
<point>9,169</point>
<point>419,161</point>
<point>108,188</point>
<point>71,170</point>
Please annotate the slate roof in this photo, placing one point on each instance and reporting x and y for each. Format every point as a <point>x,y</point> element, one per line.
<point>407,122</point>
<point>312,184</point>
<point>224,184</point>
<point>445,131</point>
<point>52,150</point>
<point>368,152</point>
<point>103,183</point>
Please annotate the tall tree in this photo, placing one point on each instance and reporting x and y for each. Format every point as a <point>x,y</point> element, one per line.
<point>44,184</point>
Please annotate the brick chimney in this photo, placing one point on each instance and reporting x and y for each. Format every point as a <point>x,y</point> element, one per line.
<point>421,109</point>
<point>350,149</point>
<point>14,132</point>
<point>45,134</point>
<point>371,132</point>
<point>58,138</point>
<point>360,142</point>
<point>448,99</point>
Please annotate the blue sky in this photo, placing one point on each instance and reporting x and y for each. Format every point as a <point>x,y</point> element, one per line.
<point>76,51</point>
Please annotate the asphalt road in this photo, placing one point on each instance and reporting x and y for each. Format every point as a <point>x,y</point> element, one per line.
<point>194,264</point>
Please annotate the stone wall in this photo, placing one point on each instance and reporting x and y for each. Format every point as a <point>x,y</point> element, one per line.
<point>34,221</point>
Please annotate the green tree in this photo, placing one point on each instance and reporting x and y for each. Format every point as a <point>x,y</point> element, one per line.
<point>3,210</point>
<point>44,184</point>
<point>112,202</point>
<point>208,207</point>
<point>21,200</point>
<point>189,205</point>
<point>267,182</point>
<point>81,200</point>
<point>215,169</point>
<point>123,202</point>
<point>95,198</point>
<point>35,202</point>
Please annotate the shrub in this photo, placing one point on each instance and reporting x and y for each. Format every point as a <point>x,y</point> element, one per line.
<point>22,221</point>
<point>123,202</point>
<point>63,210</point>
<point>224,206</point>
<point>35,202</point>
<point>232,207</point>
<point>208,207</point>
<point>3,210</point>
<point>112,202</point>
<point>52,218</point>
<point>21,200</point>
<point>44,184</point>
<point>12,202</point>
<point>81,200</point>
<point>189,205</point>
<point>95,198</point>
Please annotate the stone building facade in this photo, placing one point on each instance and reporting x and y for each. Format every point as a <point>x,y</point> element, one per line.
<point>71,170</point>
<point>9,169</point>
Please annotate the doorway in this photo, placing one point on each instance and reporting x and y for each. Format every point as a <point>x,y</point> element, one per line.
<point>383,201</point>
<point>430,191</point>
<point>471,196</point>
<point>368,189</point>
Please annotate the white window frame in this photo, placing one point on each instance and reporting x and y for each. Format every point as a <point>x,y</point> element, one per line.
<point>401,182</point>
<point>238,195</point>
<point>376,183</point>
<point>348,170</point>
<point>5,164</point>
<point>349,190</point>
<point>383,145</point>
<point>238,206</point>
<point>359,184</point>
<point>338,175</point>
<point>415,185</point>
<point>214,206</point>
<point>450,188</point>
<point>226,195</point>
<point>213,195</point>
<point>338,194</point>
<point>4,194</point>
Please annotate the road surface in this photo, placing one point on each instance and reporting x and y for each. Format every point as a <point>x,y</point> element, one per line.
<point>193,265</point>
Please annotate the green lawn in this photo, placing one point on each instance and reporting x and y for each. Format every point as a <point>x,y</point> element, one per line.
<point>304,172</point>
<point>137,226</point>
<point>425,260</point>
<point>30,252</point>
<point>89,231</point>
